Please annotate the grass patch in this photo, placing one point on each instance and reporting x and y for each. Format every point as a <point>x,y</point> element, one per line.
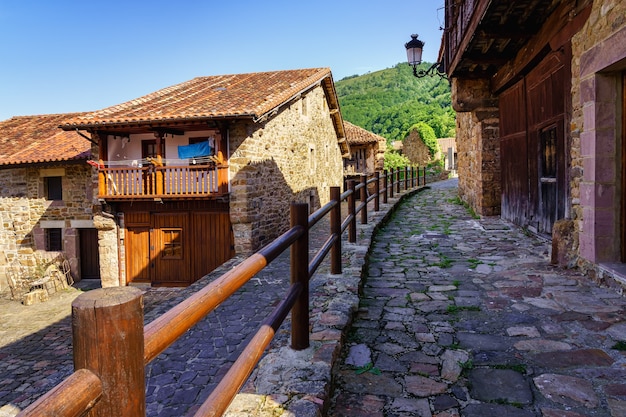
<point>621,345</point>
<point>503,401</point>
<point>369,367</point>
<point>520,368</point>
<point>455,309</point>
<point>445,262</point>
<point>457,200</point>
<point>474,263</point>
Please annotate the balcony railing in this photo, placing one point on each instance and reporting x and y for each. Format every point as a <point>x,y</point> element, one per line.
<point>170,181</point>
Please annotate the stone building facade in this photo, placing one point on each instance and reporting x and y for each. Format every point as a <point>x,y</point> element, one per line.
<point>540,135</point>
<point>598,139</point>
<point>414,148</point>
<point>367,151</point>
<point>38,225</point>
<point>292,157</point>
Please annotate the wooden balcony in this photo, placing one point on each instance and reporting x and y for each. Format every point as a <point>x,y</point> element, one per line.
<point>162,182</point>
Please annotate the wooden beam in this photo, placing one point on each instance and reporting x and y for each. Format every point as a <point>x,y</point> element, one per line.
<point>566,16</point>
<point>468,33</point>
<point>168,130</point>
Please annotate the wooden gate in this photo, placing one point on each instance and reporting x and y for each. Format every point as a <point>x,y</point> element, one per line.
<point>533,114</point>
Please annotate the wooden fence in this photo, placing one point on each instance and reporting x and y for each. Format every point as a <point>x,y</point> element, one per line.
<point>112,347</point>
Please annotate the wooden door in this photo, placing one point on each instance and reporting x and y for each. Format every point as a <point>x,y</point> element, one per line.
<point>623,191</point>
<point>89,256</point>
<point>213,244</point>
<point>170,249</point>
<point>138,255</point>
<point>547,89</point>
<point>549,191</point>
<point>514,154</point>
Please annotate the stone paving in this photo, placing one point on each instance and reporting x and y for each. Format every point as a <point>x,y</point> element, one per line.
<point>457,316</point>
<point>465,317</point>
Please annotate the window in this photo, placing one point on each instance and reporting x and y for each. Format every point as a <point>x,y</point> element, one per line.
<point>54,241</point>
<point>548,152</point>
<point>172,244</point>
<point>53,188</point>
<point>312,161</point>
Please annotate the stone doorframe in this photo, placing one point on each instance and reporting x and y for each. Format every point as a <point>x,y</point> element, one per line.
<point>600,148</point>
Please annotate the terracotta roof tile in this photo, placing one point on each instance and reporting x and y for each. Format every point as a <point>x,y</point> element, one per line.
<point>37,139</point>
<point>236,95</point>
<point>356,135</point>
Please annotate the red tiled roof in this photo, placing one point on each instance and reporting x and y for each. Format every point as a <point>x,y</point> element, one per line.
<point>358,136</point>
<point>36,139</point>
<point>237,95</point>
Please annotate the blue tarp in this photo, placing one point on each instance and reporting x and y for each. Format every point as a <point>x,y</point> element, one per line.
<point>195,150</point>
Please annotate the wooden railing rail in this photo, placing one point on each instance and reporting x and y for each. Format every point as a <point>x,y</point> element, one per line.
<point>114,317</point>
<point>73,397</point>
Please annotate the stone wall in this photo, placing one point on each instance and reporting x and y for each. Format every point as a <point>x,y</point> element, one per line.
<point>291,157</point>
<point>599,57</point>
<point>25,213</point>
<point>478,146</point>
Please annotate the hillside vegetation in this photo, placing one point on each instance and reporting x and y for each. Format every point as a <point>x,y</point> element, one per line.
<point>391,101</point>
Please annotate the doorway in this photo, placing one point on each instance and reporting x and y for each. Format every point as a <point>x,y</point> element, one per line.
<point>89,255</point>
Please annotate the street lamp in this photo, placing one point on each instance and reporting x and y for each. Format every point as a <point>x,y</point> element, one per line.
<point>414,49</point>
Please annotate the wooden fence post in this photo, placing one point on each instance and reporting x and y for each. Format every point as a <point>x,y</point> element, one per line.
<point>107,337</point>
<point>335,229</point>
<point>398,180</point>
<point>391,183</point>
<point>385,185</point>
<point>424,175</point>
<point>363,199</point>
<point>377,191</point>
<point>406,178</point>
<point>351,213</point>
<point>300,274</point>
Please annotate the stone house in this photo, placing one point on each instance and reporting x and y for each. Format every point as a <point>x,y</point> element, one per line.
<point>190,175</point>
<point>414,148</point>
<point>46,197</point>
<point>539,90</point>
<point>367,151</point>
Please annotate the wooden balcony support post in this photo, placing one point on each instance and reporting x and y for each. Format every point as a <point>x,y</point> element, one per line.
<point>102,180</point>
<point>335,230</point>
<point>107,336</point>
<point>351,213</point>
<point>377,191</point>
<point>363,195</point>
<point>300,274</point>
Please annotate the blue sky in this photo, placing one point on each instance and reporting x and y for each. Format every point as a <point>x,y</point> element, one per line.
<point>62,56</point>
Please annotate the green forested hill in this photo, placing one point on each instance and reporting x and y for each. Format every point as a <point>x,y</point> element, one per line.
<point>391,101</point>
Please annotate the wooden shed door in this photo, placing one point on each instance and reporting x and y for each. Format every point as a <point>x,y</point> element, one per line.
<point>170,248</point>
<point>138,255</point>
<point>533,145</point>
